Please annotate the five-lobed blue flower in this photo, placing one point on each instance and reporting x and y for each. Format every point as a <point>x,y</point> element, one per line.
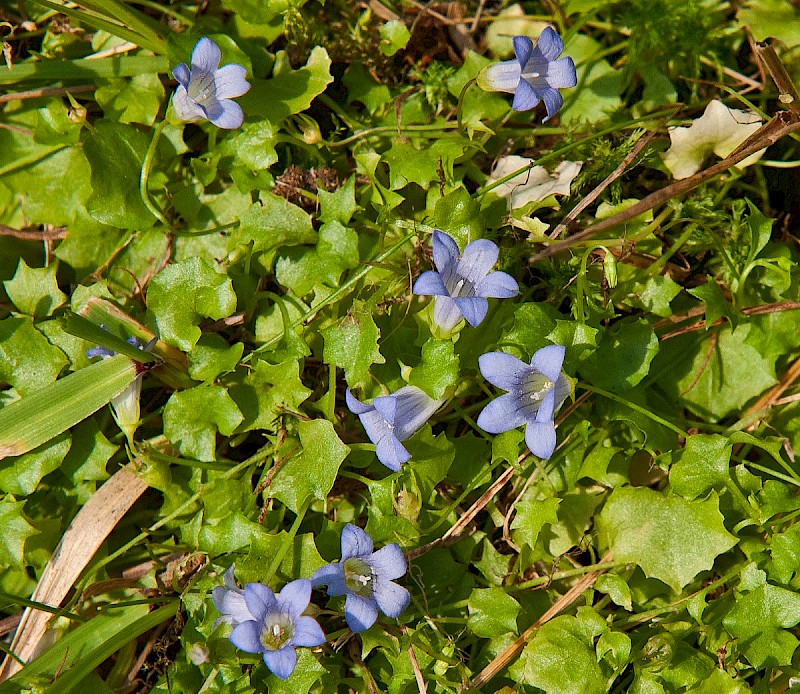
<point>366,578</point>
<point>229,600</point>
<point>277,626</point>
<point>205,90</point>
<point>393,418</point>
<point>462,281</point>
<point>536,74</point>
<point>535,392</point>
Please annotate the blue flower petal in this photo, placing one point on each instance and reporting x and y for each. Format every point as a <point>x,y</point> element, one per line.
<point>186,109</point>
<point>499,285</point>
<point>354,405</point>
<point>392,599</point>
<point>523,47</point>
<point>502,370</point>
<point>502,414</point>
<point>445,250</point>
<point>226,114</point>
<point>391,452</point>
<point>550,44</point>
<point>553,101</point>
<point>389,562</point>
<point>387,406</point>
<point>307,633</point>
<point>541,438</point>
<point>231,604</point>
<point>561,73</point>
<point>206,55</point>
<point>429,283</point>
<point>294,597</point>
<point>445,313</point>
<point>548,361</point>
<point>473,308</point>
<point>260,599</point>
<point>525,98</point>
<point>230,81</point>
<point>355,542</point>
<point>477,259</point>
<point>325,575</point>
<point>281,662</point>
<point>375,425</point>
<point>182,74</point>
<point>547,407</point>
<point>500,77</point>
<point>246,637</point>
<point>359,613</point>
<point>414,408</point>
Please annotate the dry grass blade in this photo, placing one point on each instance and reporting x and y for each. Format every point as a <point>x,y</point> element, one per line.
<point>515,648</point>
<point>78,545</point>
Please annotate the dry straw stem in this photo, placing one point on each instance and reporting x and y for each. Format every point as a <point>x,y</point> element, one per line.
<point>515,648</point>
<point>86,533</point>
<point>782,124</point>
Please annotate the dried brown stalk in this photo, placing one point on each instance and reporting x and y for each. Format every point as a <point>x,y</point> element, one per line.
<point>782,124</point>
<point>515,648</point>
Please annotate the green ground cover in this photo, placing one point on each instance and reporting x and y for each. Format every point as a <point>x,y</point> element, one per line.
<point>519,398</point>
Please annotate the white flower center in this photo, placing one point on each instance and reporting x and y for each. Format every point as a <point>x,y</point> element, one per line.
<point>277,631</point>
<point>358,577</point>
<point>202,88</point>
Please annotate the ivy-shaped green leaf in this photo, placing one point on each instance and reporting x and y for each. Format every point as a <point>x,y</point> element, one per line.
<point>193,417</point>
<point>672,539</point>
<point>352,344</point>
<point>34,291</point>
<point>181,295</point>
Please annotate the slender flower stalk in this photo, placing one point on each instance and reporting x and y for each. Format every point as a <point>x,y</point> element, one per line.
<point>535,392</point>
<point>462,281</point>
<point>536,74</point>
<point>366,578</point>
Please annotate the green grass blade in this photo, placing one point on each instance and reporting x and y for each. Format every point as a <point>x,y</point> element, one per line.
<point>85,70</point>
<point>117,24</point>
<point>37,418</point>
<point>81,327</point>
<point>72,658</point>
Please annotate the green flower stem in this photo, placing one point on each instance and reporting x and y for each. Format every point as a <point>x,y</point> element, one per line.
<point>460,107</point>
<point>334,296</point>
<point>677,606</point>
<point>636,408</point>
<point>558,153</point>
<point>24,162</point>
<point>145,175</point>
<point>739,498</point>
<point>774,473</point>
<point>655,267</point>
<point>254,460</point>
<point>559,575</point>
<point>392,130</point>
<point>276,562</point>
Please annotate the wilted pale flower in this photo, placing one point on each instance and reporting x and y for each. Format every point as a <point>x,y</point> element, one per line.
<point>125,405</point>
<point>536,74</point>
<point>535,392</point>
<point>206,90</point>
<point>461,282</point>
<point>229,600</point>
<point>366,578</point>
<point>393,418</point>
<point>278,626</point>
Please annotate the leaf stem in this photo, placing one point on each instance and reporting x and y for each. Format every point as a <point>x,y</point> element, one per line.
<point>144,177</point>
<point>636,408</point>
